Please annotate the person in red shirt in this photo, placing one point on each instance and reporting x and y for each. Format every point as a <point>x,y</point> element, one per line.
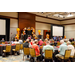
<point>32,42</point>
<point>40,42</point>
<point>45,41</point>
<point>37,51</point>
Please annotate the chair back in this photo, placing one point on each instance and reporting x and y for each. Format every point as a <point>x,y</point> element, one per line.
<point>26,51</point>
<point>3,42</point>
<point>24,41</point>
<point>8,48</point>
<point>0,42</point>
<point>58,43</point>
<point>17,47</point>
<point>43,44</point>
<point>41,47</point>
<point>32,52</point>
<point>21,46</point>
<point>67,54</point>
<point>48,54</point>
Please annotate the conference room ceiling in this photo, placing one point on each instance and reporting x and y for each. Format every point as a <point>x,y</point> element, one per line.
<point>56,15</point>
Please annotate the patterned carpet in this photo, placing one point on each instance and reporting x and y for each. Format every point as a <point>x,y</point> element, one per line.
<point>12,58</point>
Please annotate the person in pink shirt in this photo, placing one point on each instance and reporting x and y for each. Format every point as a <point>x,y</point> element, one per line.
<point>29,37</point>
<point>40,42</point>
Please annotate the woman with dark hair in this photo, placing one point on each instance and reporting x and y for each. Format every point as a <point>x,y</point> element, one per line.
<point>29,37</point>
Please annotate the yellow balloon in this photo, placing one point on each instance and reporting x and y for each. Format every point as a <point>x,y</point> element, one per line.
<point>39,30</point>
<point>18,29</point>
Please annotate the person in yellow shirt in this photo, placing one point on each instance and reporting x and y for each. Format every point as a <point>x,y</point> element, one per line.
<point>64,37</point>
<point>47,36</point>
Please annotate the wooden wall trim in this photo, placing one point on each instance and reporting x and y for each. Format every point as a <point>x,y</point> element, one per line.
<point>46,22</point>
<point>67,19</point>
<point>8,17</point>
<point>68,24</point>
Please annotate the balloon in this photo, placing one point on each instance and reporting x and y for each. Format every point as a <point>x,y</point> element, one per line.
<point>17,35</point>
<point>39,31</point>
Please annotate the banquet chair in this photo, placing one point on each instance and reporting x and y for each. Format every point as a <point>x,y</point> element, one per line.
<point>32,53</point>
<point>8,49</point>
<point>21,47</point>
<point>17,48</point>
<point>3,42</point>
<point>24,41</point>
<point>26,52</point>
<point>43,44</point>
<point>65,57</point>
<point>58,43</point>
<point>0,42</point>
<point>41,47</point>
<point>72,57</point>
<point>49,54</point>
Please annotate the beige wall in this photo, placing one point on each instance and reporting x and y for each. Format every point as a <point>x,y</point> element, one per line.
<point>68,21</point>
<point>70,31</point>
<point>13,27</point>
<point>42,26</point>
<point>47,20</point>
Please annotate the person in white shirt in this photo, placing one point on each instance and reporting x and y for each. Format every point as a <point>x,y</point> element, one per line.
<point>20,41</point>
<point>71,47</point>
<point>16,42</point>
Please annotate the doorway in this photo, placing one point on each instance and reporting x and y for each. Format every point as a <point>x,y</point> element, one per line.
<point>46,32</point>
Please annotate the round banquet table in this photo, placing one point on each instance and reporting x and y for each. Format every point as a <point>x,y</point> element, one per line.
<point>55,50</point>
<point>3,47</point>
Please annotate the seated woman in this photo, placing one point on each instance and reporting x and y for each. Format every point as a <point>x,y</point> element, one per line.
<point>37,51</point>
<point>29,37</point>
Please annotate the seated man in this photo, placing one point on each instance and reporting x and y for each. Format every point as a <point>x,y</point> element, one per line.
<point>2,40</point>
<point>65,41</point>
<point>20,41</point>
<point>54,38</point>
<point>26,45</point>
<point>71,47</point>
<point>47,47</point>
<point>72,50</point>
<point>62,49</point>
<point>60,37</point>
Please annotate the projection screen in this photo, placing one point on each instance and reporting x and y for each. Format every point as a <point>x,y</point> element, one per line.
<point>2,27</point>
<point>57,31</point>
